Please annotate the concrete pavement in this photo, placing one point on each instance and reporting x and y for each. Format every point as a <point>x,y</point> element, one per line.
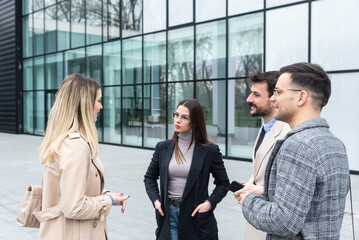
<point>124,170</point>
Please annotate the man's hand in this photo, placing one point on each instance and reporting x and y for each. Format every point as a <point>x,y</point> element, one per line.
<point>248,188</point>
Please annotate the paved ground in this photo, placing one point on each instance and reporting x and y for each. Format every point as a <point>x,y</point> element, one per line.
<point>124,169</point>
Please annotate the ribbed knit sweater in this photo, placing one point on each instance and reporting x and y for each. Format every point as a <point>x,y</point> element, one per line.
<point>178,173</point>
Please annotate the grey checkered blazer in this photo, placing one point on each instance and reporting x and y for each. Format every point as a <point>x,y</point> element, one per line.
<point>306,182</point>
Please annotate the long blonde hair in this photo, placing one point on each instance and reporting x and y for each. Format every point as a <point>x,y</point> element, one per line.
<point>72,110</point>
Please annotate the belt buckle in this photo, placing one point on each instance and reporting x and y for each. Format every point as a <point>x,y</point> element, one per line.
<point>176,201</point>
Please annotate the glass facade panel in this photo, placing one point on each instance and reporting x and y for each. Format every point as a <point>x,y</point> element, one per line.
<point>334,40</point>
<point>37,4</point>
<point>75,61</point>
<point>112,63</point>
<point>211,50</point>
<point>154,15</point>
<point>242,127</point>
<point>154,114</point>
<point>131,17</point>
<point>243,6</point>
<point>180,12</point>
<point>210,9</point>
<point>282,48</point>
<point>63,25</point>
<point>132,61</point>
<point>28,74</point>
<point>132,115</point>
<point>245,45</point>
<point>93,62</point>
<point>274,3</point>
<point>39,112</point>
<point>39,73</point>
<point>155,57</point>
<point>27,32</point>
<point>26,6</point>
<point>176,93</point>
<point>38,33</point>
<point>78,23</point>
<point>93,21</point>
<point>28,112</point>
<point>49,2</point>
<point>180,54</point>
<point>54,70</point>
<point>112,115</point>
<point>212,96</point>
<point>341,114</point>
<point>50,29</point>
<point>113,19</point>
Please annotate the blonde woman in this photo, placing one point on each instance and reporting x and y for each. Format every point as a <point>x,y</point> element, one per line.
<point>74,203</point>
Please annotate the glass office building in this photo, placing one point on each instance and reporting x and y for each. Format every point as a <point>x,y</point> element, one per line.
<point>150,54</point>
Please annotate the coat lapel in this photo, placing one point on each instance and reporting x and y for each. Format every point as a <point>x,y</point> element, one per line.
<point>199,154</point>
<point>265,148</point>
<point>270,163</point>
<point>166,156</point>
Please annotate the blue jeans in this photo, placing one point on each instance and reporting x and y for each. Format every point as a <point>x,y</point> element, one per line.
<point>174,211</point>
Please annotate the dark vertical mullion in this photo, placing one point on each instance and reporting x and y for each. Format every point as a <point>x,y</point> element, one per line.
<point>120,26</point>
<point>102,84</point>
<point>33,77</point>
<point>85,15</point>
<point>264,34</point>
<point>309,30</point>
<point>18,68</point>
<point>226,64</point>
<point>143,91</point>
<point>70,12</point>
<point>167,85</point>
<point>121,85</point>
<point>107,19</point>
<point>194,49</point>
<point>43,59</point>
<point>57,29</point>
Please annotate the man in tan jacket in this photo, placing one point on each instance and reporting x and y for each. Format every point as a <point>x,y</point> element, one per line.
<point>262,86</point>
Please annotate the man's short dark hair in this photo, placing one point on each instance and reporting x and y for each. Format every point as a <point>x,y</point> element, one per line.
<point>313,79</point>
<point>269,77</point>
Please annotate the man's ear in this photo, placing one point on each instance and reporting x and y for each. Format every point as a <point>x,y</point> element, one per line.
<point>303,98</point>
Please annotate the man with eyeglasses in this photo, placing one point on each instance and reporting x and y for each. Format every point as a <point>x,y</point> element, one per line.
<point>262,87</point>
<point>307,177</point>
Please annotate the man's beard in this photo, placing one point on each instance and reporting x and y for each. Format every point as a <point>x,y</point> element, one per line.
<point>259,112</point>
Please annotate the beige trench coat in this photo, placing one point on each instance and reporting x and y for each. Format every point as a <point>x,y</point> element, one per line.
<point>73,204</point>
<point>278,131</point>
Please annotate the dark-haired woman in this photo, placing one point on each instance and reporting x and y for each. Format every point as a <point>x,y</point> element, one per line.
<point>184,209</point>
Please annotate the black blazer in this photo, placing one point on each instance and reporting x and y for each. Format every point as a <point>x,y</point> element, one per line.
<point>206,159</point>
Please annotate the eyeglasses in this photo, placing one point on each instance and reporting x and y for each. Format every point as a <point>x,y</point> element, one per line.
<point>184,118</point>
<point>278,91</point>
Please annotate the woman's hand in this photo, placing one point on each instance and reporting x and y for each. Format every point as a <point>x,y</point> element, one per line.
<point>202,208</point>
<point>157,204</point>
<point>119,199</point>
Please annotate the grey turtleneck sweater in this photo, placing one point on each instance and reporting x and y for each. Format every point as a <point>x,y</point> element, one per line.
<point>178,173</point>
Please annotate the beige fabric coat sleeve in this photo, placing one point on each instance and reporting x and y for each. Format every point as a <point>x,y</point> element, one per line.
<point>75,203</point>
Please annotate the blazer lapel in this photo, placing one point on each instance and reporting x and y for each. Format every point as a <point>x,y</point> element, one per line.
<point>271,159</point>
<point>199,154</point>
<point>265,148</point>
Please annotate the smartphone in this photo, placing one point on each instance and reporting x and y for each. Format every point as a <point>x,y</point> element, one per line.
<point>235,186</point>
